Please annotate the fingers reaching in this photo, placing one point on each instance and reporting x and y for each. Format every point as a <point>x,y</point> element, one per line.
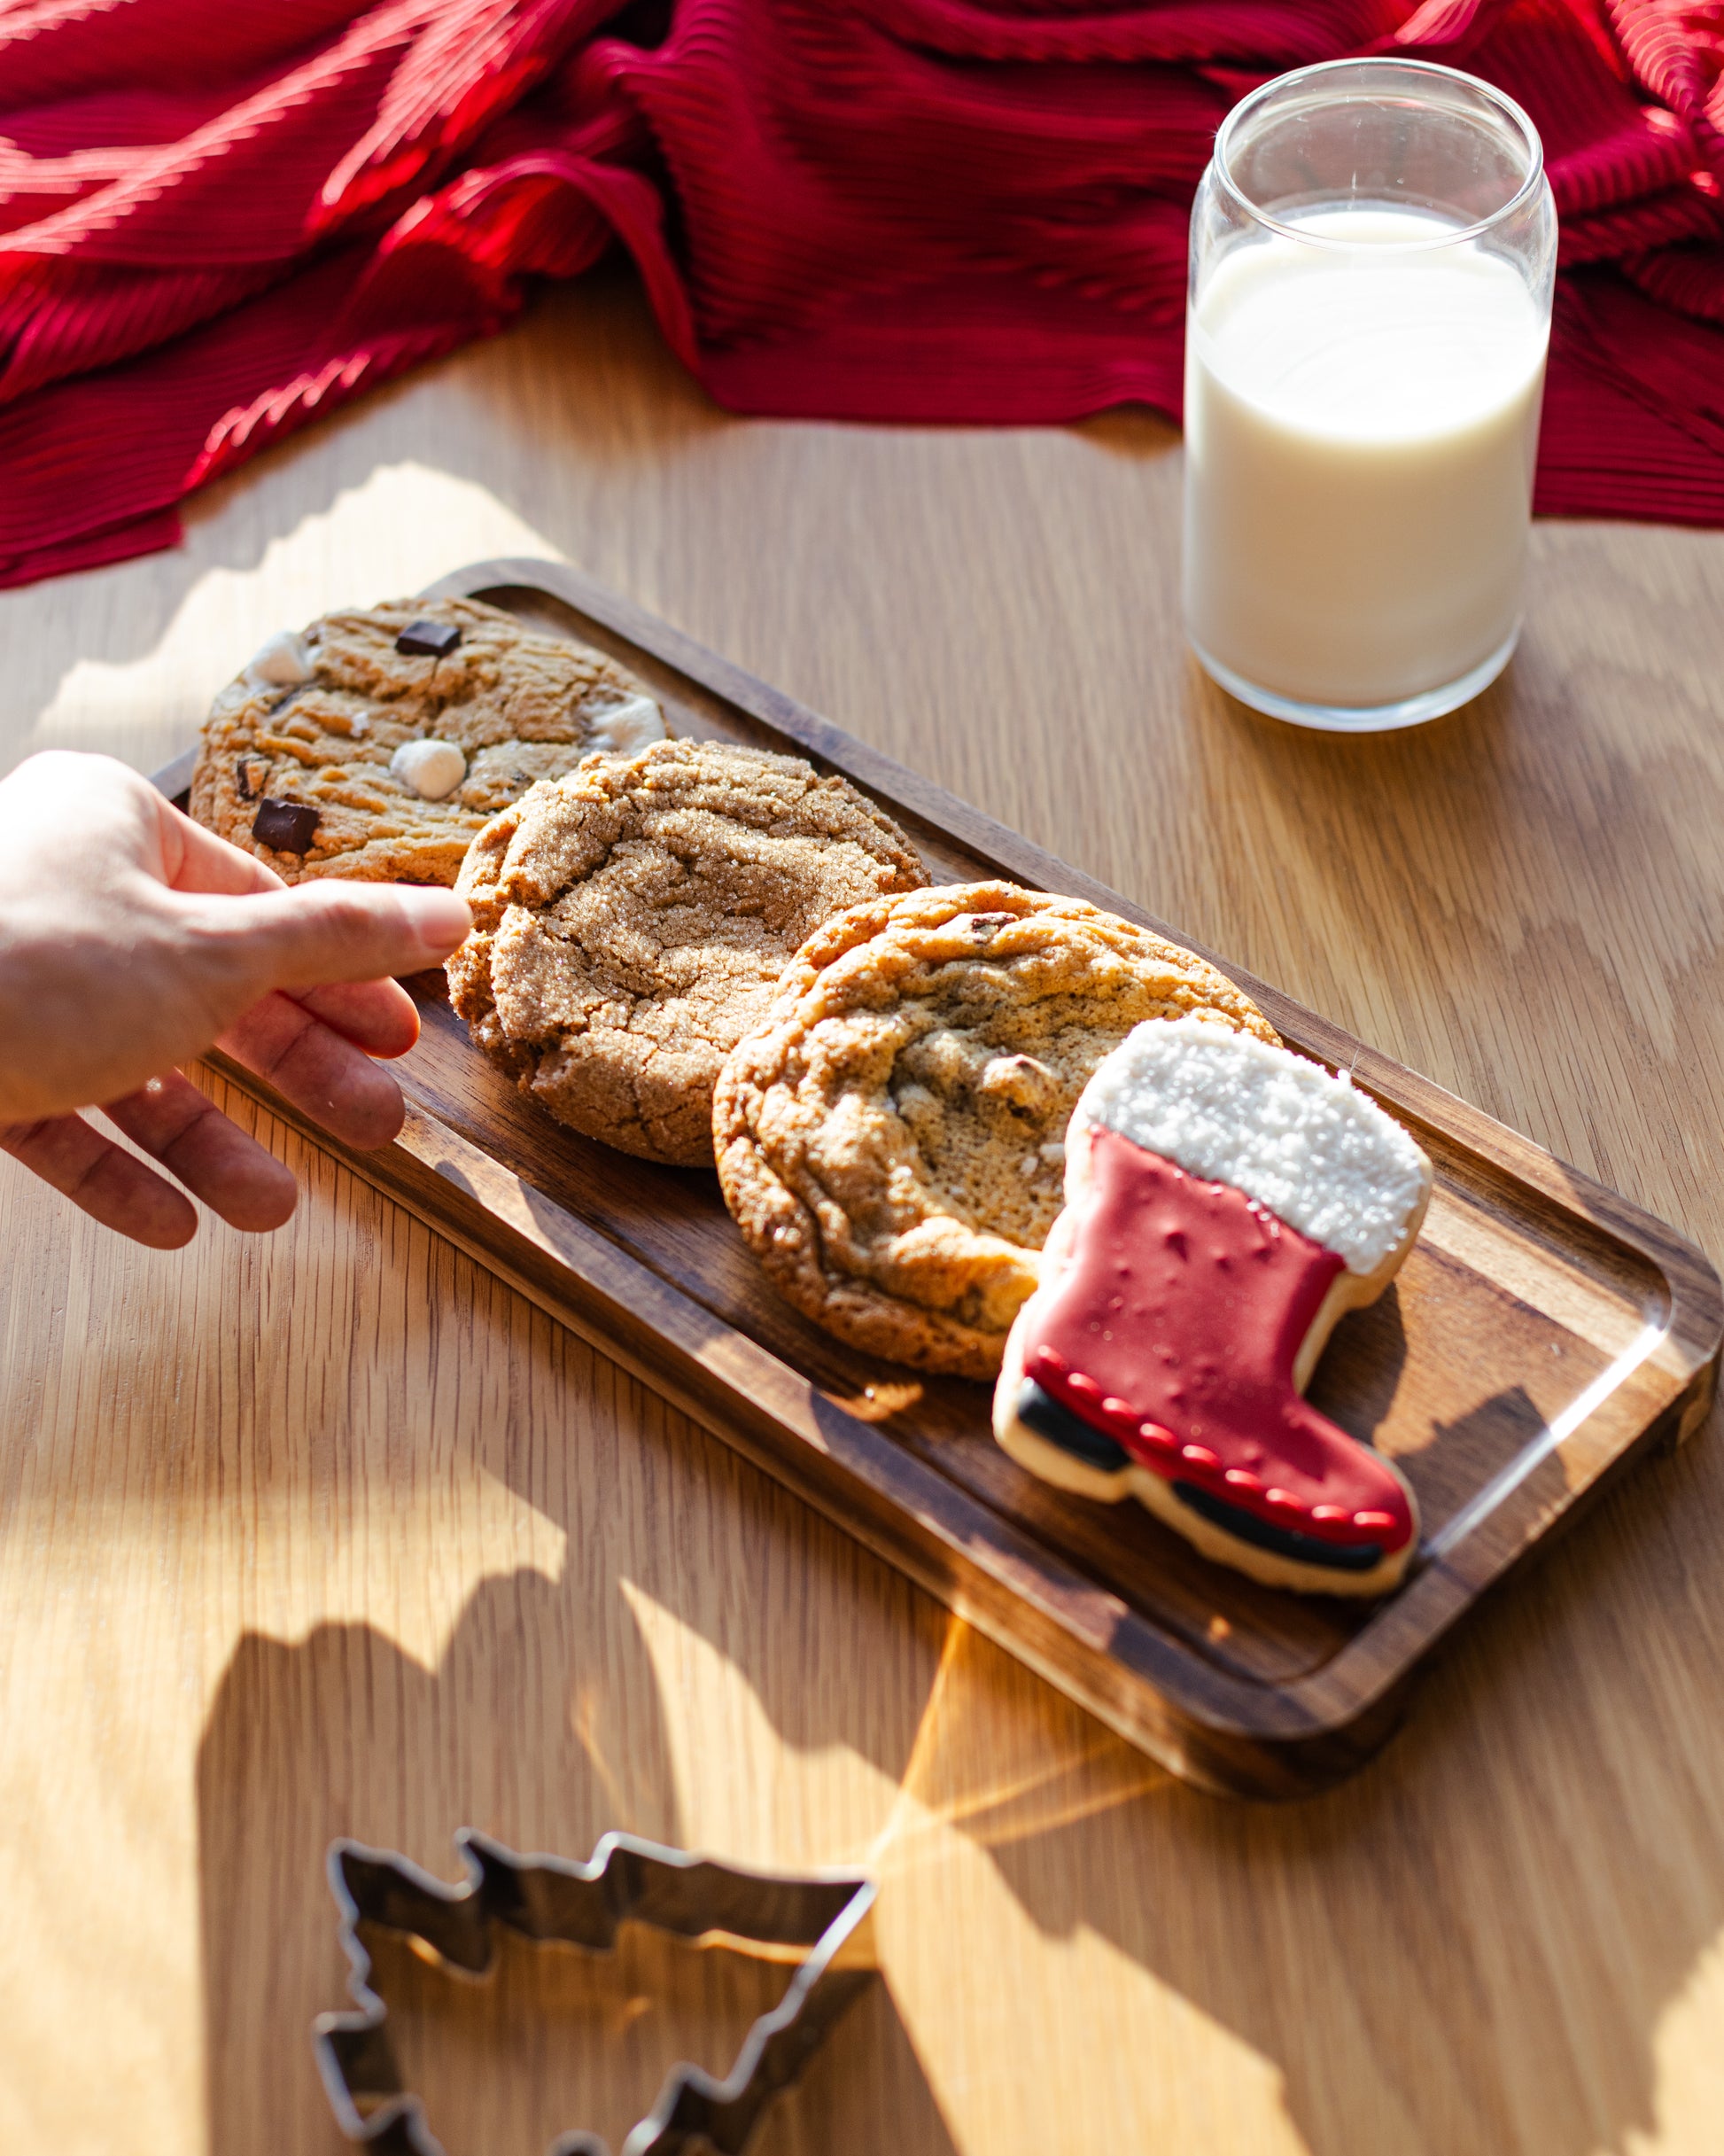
<point>331,945</point>
<point>335,1083</point>
<point>409,927</point>
<point>233,1174</point>
<point>332,930</point>
<point>193,859</point>
<point>131,947</point>
<point>379,1016</point>
<point>172,1121</point>
<point>106,1182</point>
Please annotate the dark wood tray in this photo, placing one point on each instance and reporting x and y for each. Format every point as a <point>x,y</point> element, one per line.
<point>1544,1333</point>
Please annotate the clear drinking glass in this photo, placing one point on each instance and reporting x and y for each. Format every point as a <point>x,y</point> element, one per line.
<point>1373,248</point>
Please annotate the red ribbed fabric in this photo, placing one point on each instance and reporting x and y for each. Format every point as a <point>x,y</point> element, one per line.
<point>219,220</point>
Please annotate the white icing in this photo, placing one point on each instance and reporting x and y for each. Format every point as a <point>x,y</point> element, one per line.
<point>283,661</point>
<point>432,769</point>
<point>625,727</point>
<point>1310,1149</point>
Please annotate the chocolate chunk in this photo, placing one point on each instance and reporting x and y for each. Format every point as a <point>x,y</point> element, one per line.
<point>428,639</point>
<point>242,780</point>
<point>287,825</point>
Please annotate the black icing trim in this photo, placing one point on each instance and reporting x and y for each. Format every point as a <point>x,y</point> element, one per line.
<point>1049,1417</point>
<point>1281,1541</point>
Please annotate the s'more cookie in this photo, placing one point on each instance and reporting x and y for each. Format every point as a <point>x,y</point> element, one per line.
<point>376,742</point>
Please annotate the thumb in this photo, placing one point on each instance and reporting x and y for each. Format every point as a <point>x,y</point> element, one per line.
<point>331,930</point>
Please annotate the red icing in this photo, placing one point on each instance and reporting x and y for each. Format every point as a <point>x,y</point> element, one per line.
<point>1174,1328</point>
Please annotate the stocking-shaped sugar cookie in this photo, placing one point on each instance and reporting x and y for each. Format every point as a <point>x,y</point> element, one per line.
<point>1225,1203</point>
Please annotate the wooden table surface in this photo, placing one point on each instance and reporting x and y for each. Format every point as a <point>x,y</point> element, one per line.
<point>329,1532</point>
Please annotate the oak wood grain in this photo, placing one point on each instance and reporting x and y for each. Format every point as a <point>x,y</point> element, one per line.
<point>334,1532</point>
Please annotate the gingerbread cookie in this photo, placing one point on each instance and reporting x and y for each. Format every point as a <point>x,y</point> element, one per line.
<point>1225,1203</point>
<point>631,922</point>
<point>891,1143</point>
<point>376,743</point>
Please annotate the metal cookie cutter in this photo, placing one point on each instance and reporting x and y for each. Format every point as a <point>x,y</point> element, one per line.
<point>828,1914</point>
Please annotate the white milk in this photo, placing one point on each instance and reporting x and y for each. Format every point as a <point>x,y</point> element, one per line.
<point>1360,429</point>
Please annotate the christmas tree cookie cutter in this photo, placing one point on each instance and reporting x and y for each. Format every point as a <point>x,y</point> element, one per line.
<point>826,1917</point>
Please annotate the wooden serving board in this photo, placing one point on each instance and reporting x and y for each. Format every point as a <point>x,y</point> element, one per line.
<point>1544,1333</point>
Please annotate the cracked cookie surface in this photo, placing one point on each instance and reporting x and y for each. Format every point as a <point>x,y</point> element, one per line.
<point>316,725</point>
<point>631,922</point>
<point>891,1141</point>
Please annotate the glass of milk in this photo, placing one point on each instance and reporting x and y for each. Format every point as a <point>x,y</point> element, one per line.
<point>1374,247</point>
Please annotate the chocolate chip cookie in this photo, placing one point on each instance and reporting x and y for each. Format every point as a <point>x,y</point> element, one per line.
<point>891,1142</point>
<point>631,919</point>
<point>376,743</point>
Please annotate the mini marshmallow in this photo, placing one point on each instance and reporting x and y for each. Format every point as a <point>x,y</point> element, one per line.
<point>626,727</point>
<point>283,662</point>
<point>432,769</point>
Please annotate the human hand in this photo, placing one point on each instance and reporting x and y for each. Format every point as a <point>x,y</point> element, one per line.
<point>131,940</point>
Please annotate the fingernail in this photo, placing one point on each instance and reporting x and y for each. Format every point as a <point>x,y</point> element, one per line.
<point>438,917</point>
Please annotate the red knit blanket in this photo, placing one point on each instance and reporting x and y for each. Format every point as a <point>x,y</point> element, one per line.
<point>221,218</point>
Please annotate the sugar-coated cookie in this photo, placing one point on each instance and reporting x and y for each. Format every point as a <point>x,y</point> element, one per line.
<point>631,922</point>
<point>1226,1201</point>
<point>375,743</point>
<point>891,1141</point>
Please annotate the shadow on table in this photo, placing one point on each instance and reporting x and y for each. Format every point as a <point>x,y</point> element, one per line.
<point>342,1733</point>
<point>1453,1953</point>
<point>1474,1945</point>
<point>542,1724</point>
<point>553,2038</point>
